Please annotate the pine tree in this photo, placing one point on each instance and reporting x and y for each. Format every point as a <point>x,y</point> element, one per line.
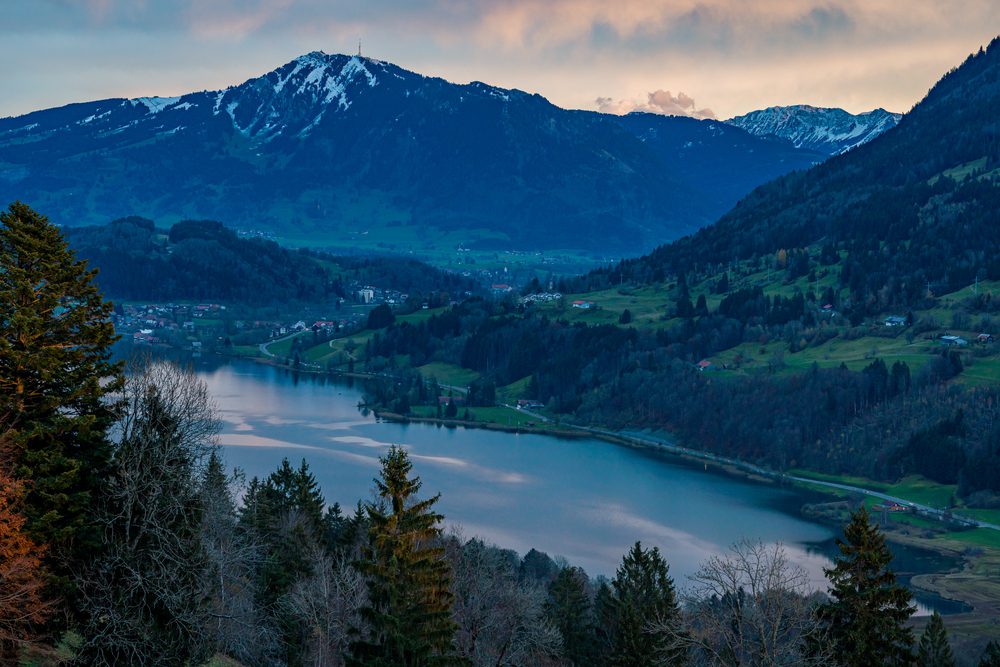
<point>55,371</point>
<point>934,649</point>
<point>408,614</point>
<point>991,655</point>
<point>569,610</point>
<point>645,617</point>
<point>866,617</point>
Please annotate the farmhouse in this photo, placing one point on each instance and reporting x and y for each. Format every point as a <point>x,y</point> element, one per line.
<point>895,321</point>
<point>586,305</point>
<point>953,341</point>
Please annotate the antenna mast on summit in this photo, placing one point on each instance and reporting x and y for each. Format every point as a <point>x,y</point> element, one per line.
<point>359,48</point>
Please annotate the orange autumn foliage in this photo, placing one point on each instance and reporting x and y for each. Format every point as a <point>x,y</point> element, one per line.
<point>22,602</point>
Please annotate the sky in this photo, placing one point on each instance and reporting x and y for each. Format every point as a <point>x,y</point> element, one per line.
<point>705,58</point>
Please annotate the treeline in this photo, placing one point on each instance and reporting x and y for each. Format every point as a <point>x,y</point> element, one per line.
<point>204,260</point>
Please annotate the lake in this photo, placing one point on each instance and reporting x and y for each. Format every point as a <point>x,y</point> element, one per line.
<point>583,499</point>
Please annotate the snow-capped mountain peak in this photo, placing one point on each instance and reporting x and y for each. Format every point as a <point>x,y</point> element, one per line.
<point>832,131</point>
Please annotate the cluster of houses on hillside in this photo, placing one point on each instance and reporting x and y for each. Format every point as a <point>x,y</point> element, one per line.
<point>151,324</point>
<point>541,297</point>
<point>370,295</point>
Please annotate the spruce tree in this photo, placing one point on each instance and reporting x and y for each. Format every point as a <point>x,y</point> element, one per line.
<point>569,610</point>
<point>645,617</point>
<point>55,372</point>
<point>408,613</point>
<point>865,619</point>
<point>934,649</point>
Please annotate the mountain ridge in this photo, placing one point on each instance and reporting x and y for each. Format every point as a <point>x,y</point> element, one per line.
<point>826,129</point>
<point>329,146</point>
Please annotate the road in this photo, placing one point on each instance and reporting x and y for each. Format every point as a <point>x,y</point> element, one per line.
<point>673,448</point>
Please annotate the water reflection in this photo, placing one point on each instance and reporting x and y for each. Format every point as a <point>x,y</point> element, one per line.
<point>585,500</point>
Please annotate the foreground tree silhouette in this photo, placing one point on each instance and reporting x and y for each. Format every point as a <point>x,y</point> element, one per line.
<point>934,649</point>
<point>408,613</point>
<point>55,372</point>
<point>865,620</point>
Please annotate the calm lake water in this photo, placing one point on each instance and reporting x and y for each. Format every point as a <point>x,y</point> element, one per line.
<point>584,499</point>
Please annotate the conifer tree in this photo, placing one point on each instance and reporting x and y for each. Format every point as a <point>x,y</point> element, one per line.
<point>569,610</point>
<point>285,514</point>
<point>645,617</point>
<point>934,649</point>
<point>865,619</point>
<point>408,614</point>
<point>55,371</point>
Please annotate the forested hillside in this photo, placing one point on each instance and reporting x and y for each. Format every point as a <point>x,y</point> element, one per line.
<point>914,209</point>
<point>204,260</point>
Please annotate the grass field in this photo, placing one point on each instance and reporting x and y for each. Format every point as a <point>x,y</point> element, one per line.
<point>513,391</point>
<point>449,374</point>
<point>499,415</point>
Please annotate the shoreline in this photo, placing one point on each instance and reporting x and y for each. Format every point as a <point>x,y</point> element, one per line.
<point>963,583</point>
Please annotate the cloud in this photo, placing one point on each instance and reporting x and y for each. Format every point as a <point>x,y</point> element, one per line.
<point>659,101</point>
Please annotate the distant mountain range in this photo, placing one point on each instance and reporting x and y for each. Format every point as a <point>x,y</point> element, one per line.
<point>333,150</point>
<point>829,131</point>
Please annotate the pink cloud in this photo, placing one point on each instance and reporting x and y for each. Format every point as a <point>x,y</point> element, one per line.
<point>659,101</point>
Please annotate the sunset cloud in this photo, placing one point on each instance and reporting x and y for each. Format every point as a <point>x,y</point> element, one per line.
<point>658,101</point>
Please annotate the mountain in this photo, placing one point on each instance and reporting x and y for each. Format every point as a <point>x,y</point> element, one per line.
<point>907,215</point>
<point>829,131</point>
<point>335,150</point>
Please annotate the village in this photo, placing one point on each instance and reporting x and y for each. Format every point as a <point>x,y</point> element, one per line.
<point>228,328</point>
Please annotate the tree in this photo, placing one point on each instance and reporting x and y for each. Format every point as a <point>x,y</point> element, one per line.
<point>408,613</point>
<point>934,649</point>
<point>750,607</point>
<point>23,605</point>
<point>865,619</point>
<point>569,609</point>
<point>234,556</point>
<point>147,598</point>
<point>499,615</point>
<point>991,655</point>
<point>380,317</point>
<point>284,516</point>
<point>55,374</point>
<point>643,615</point>
<point>625,317</point>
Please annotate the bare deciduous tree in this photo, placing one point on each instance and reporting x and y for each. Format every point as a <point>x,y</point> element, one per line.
<point>751,606</point>
<point>147,594</point>
<point>500,619</point>
<point>327,604</point>
<point>239,625</point>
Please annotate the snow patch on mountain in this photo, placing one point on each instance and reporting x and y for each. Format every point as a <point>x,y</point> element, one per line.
<point>832,131</point>
<point>156,104</point>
